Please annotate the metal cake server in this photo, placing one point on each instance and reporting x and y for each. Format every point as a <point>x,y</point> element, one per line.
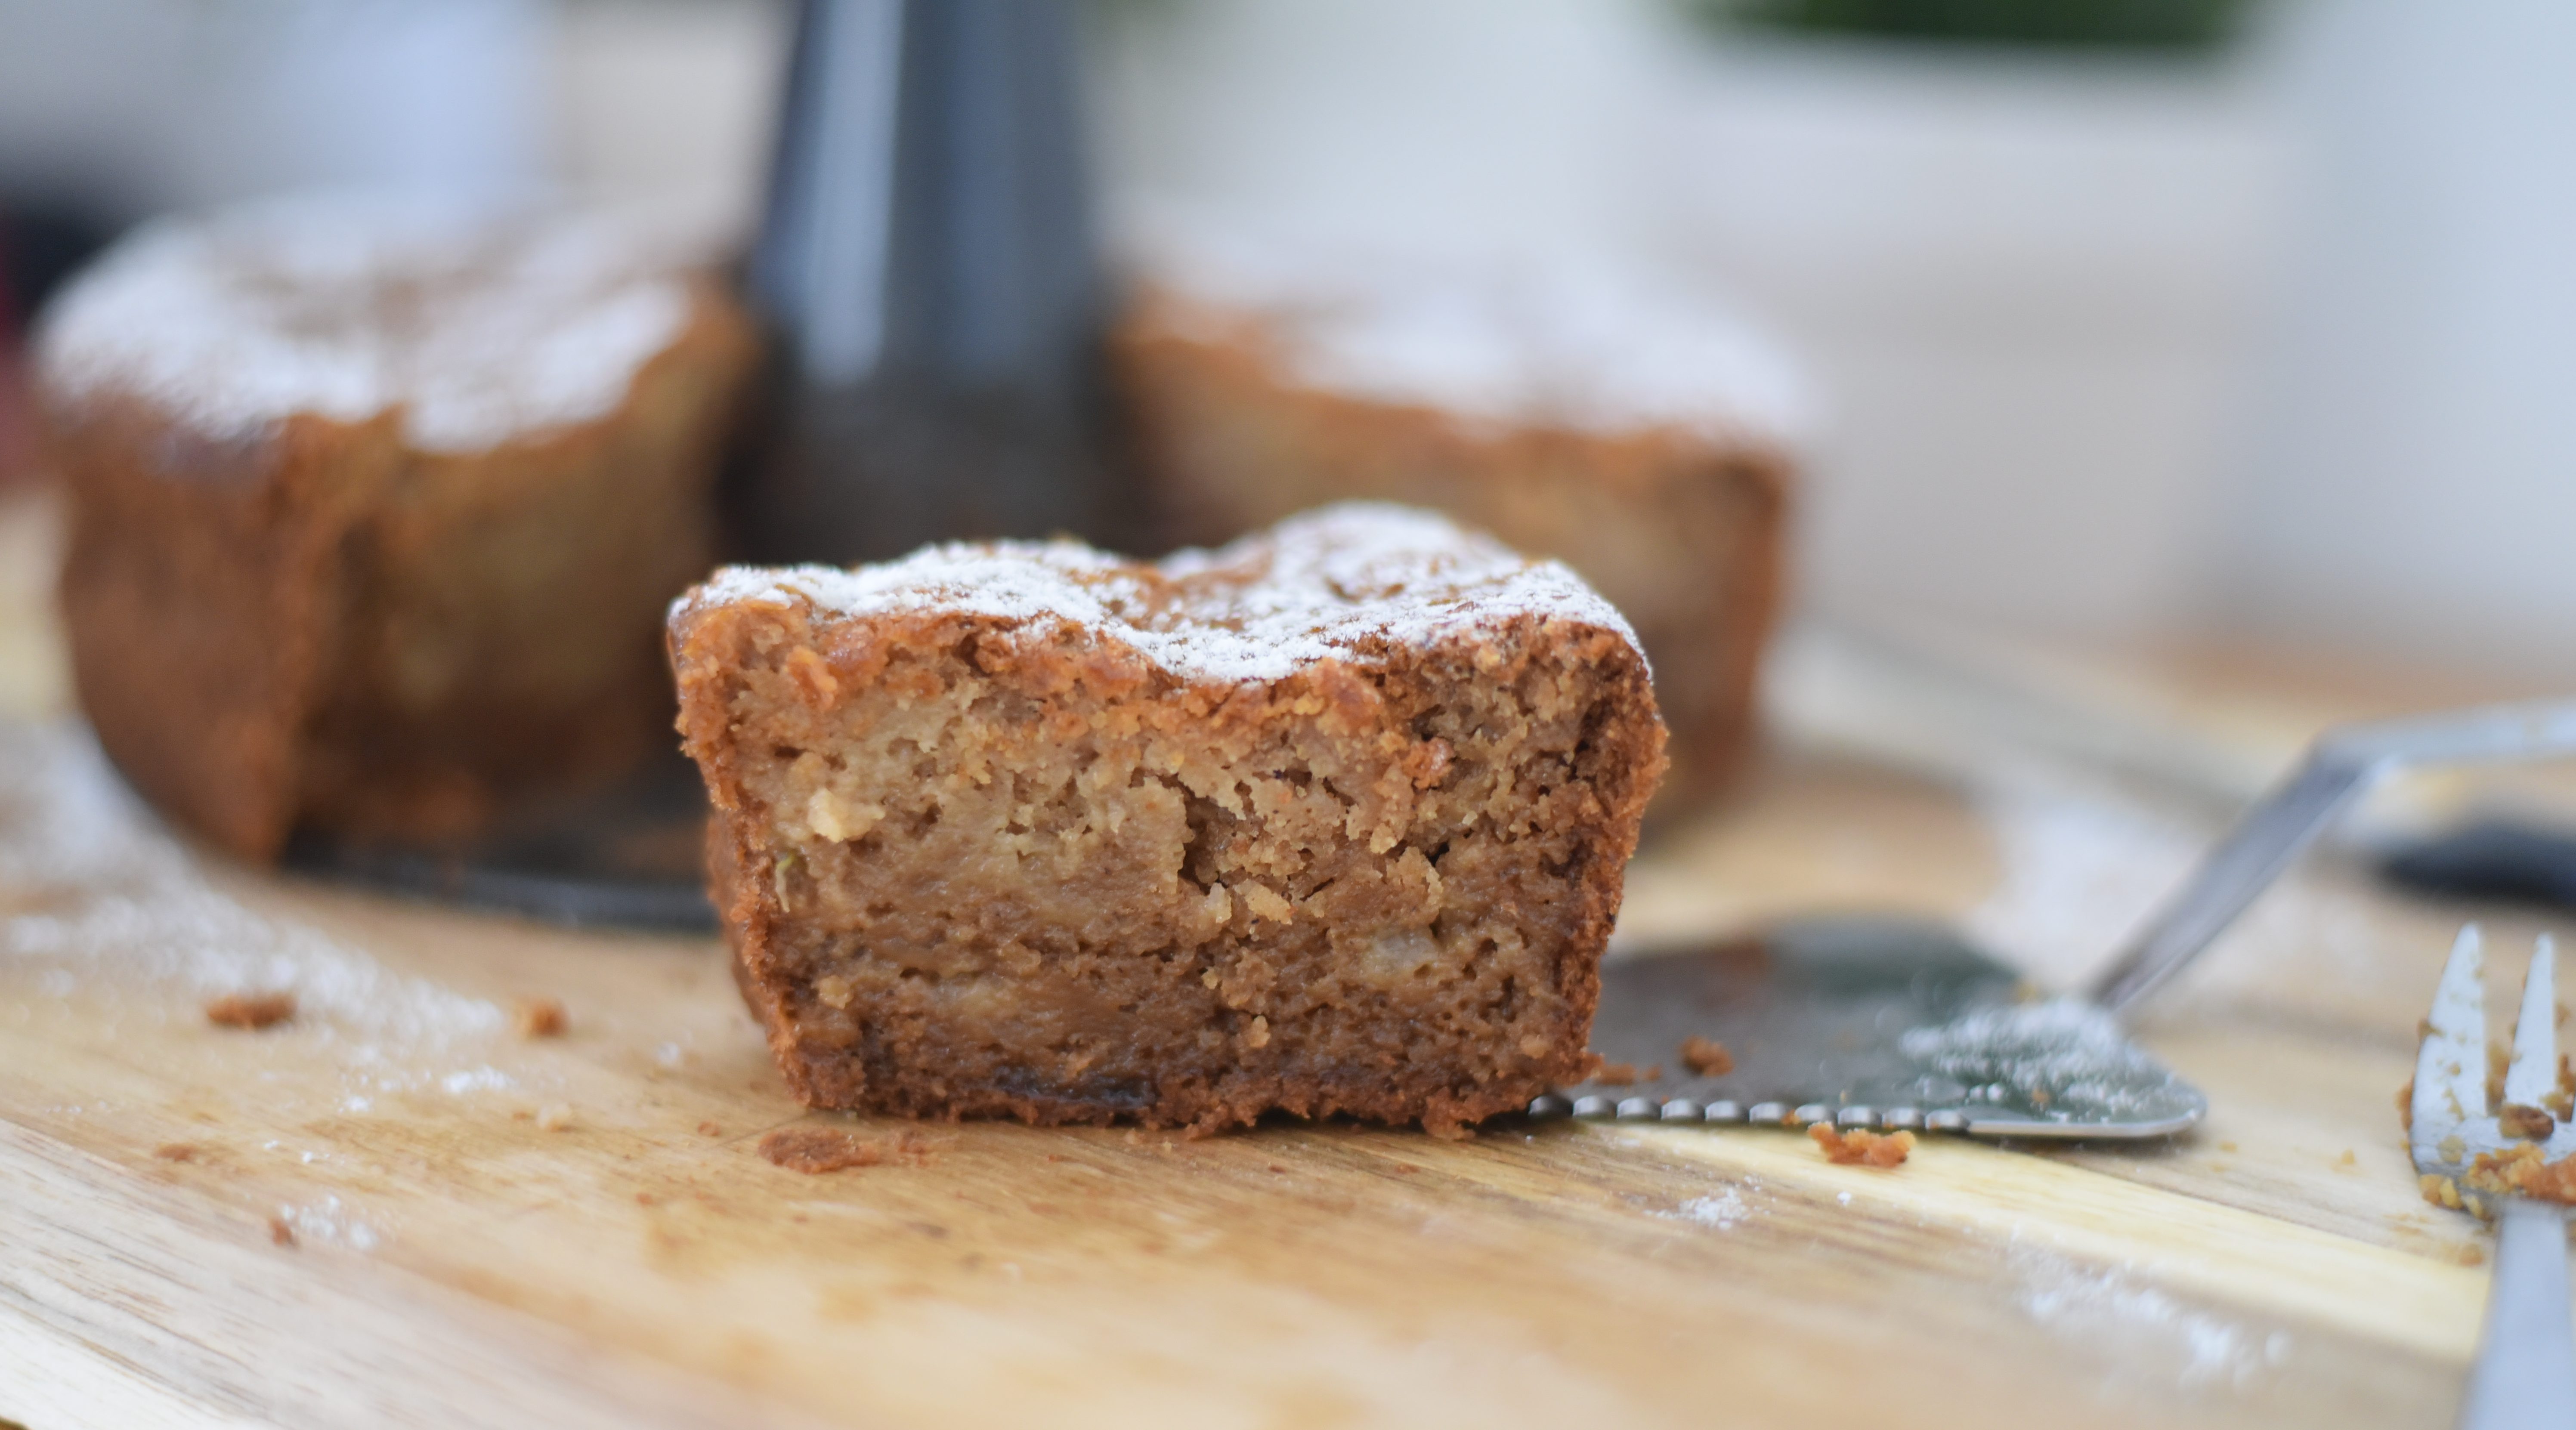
<point>1891,1023</point>
<point>1900,1024</point>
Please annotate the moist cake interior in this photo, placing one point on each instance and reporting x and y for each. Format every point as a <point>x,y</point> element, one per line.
<point>983,866</point>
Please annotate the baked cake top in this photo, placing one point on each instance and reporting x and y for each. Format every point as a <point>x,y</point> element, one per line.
<point>1547,345</point>
<point>481,324</point>
<point>1337,582</point>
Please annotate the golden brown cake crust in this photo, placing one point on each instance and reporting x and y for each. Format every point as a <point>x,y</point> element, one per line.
<point>981,862</point>
<point>1684,532</point>
<point>318,620</point>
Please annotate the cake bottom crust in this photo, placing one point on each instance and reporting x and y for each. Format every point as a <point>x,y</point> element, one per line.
<point>879,1060</point>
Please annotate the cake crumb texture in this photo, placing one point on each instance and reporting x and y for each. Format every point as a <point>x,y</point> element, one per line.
<point>815,1150</point>
<point>1333,820</point>
<point>375,513</point>
<point>2519,1171</point>
<point>253,1011</point>
<point>540,1018</point>
<point>1862,1147</point>
<point>1706,1057</point>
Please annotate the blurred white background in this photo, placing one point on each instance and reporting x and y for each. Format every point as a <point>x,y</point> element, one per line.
<point>2261,345</point>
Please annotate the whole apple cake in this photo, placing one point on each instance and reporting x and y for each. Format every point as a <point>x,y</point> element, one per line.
<point>376,506</point>
<point>1646,440</point>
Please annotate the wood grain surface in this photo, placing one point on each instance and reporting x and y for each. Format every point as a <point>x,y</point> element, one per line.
<point>394,1209</point>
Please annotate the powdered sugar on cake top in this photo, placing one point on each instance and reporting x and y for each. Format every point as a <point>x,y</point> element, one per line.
<point>1586,349</point>
<point>481,325</point>
<point>1316,586</point>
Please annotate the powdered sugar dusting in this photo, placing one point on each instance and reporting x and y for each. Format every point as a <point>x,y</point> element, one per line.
<point>329,1220</point>
<point>2073,1050</point>
<point>2156,1336</point>
<point>481,325</point>
<point>1719,1211</point>
<point>93,893</point>
<point>1327,584</point>
<point>1539,346</point>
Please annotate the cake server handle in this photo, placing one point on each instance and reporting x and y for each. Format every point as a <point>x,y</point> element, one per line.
<point>2338,766</point>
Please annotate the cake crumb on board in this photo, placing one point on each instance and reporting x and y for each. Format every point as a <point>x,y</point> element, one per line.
<point>1860,1146</point>
<point>1706,1056</point>
<point>540,1018</point>
<point>815,1150</point>
<point>253,1011</point>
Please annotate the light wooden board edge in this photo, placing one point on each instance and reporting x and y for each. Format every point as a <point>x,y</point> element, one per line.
<point>116,1293</point>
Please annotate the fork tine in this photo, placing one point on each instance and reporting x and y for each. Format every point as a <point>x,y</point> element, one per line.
<point>2533,1073</point>
<point>2451,1067</point>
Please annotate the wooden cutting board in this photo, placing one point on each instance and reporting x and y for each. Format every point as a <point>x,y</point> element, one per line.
<point>396,1210</point>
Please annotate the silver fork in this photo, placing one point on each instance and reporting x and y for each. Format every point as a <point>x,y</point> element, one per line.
<point>2526,1370</point>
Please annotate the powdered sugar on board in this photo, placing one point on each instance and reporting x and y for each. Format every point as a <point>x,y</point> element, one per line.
<point>1322,585</point>
<point>1556,346</point>
<point>93,894</point>
<point>481,325</point>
